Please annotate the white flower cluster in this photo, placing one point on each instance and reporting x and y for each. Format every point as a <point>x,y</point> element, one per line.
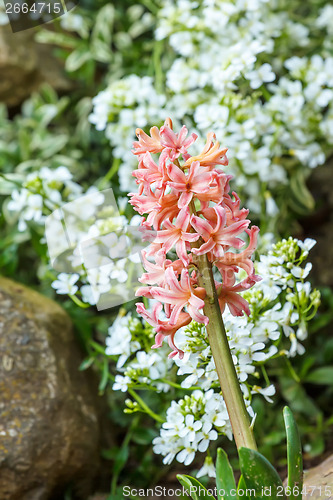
<point>281,305</point>
<point>191,424</point>
<point>51,197</point>
<point>107,279</point>
<point>126,104</point>
<point>149,368</point>
<point>233,73</point>
<point>284,276</point>
<point>43,191</point>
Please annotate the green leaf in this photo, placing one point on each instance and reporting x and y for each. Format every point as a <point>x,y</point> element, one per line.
<point>51,145</point>
<point>122,457</point>
<point>10,182</point>
<point>77,59</point>
<point>111,453</point>
<point>225,481</point>
<point>86,363</point>
<point>259,474</point>
<point>105,377</point>
<point>297,398</point>
<point>196,490</point>
<point>143,436</point>
<point>301,200</point>
<point>321,376</point>
<point>294,454</point>
<point>116,496</point>
<point>307,364</point>
<point>101,51</point>
<point>104,25</point>
<point>241,486</point>
<point>61,39</point>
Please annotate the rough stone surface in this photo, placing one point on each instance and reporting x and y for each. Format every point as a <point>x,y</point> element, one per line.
<point>320,224</point>
<point>48,417</point>
<point>318,481</point>
<point>24,65</point>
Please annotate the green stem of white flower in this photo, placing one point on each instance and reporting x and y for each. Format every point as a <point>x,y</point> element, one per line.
<point>232,394</point>
<point>145,407</point>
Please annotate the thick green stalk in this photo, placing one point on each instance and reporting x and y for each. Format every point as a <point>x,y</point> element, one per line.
<point>232,394</point>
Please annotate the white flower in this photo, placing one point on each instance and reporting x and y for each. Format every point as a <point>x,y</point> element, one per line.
<point>208,468</point>
<point>325,20</point>
<point>18,201</point>
<point>265,330</point>
<point>119,341</point>
<point>190,429</point>
<point>186,456</point>
<point>99,280</point>
<point>74,22</point>
<point>117,245</point>
<point>121,383</point>
<point>88,294</point>
<point>150,361</point>
<point>306,245</point>
<point>118,271</point>
<point>243,366</point>
<point>299,272</point>
<point>262,75</point>
<point>271,207</point>
<point>61,174</point>
<point>264,391</point>
<point>296,347</point>
<point>65,284</point>
<point>206,435</point>
<point>34,208</point>
<point>216,411</point>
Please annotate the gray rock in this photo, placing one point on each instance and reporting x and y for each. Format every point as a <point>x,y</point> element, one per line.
<point>320,224</point>
<point>25,65</point>
<point>49,433</point>
<point>318,481</point>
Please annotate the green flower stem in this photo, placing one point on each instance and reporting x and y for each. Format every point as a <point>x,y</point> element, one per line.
<point>145,407</point>
<point>111,172</point>
<point>232,394</point>
<point>79,302</point>
<point>291,370</point>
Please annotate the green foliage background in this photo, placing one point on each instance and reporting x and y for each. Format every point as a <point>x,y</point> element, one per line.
<point>53,130</point>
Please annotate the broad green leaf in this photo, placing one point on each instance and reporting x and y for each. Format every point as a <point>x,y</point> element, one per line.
<point>196,490</point>
<point>294,454</point>
<point>259,474</point>
<point>322,376</point>
<point>187,484</point>
<point>225,481</point>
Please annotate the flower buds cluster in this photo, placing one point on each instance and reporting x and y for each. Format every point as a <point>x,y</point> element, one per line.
<point>189,208</point>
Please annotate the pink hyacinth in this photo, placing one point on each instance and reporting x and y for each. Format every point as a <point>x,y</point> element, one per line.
<point>190,210</point>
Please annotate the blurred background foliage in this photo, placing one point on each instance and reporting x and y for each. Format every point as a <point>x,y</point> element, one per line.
<point>104,42</point>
